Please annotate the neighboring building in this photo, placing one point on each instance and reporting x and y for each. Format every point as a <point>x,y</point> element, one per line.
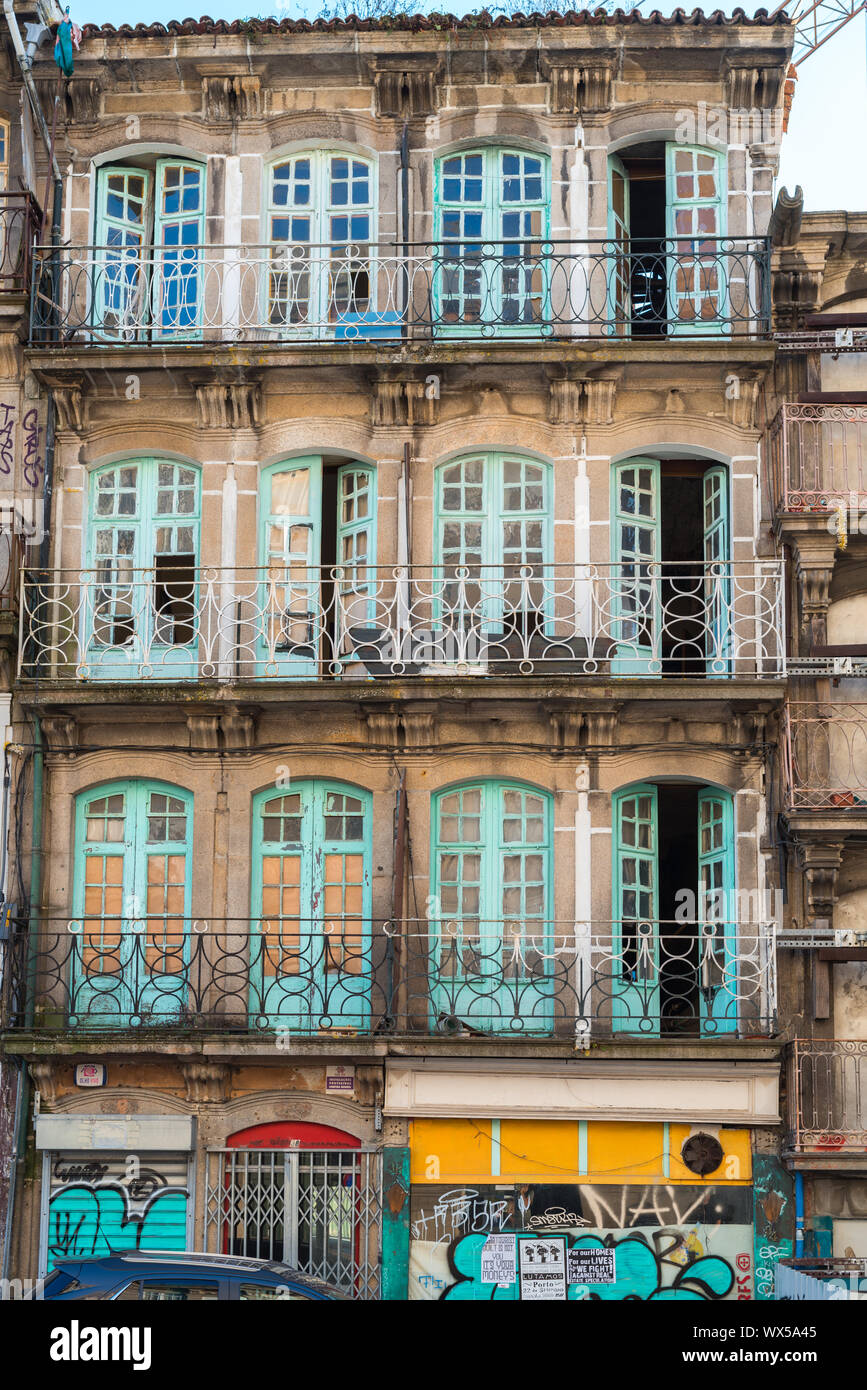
<point>409,668</point>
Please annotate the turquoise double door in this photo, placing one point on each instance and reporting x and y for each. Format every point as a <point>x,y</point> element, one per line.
<point>669,974</point>
<point>665,615</point>
<point>310,944</point>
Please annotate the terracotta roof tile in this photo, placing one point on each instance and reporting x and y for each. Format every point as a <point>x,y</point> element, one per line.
<point>418,23</point>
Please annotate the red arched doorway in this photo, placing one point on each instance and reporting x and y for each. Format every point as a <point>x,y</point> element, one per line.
<point>292,1134</point>
<point>302,1194</point>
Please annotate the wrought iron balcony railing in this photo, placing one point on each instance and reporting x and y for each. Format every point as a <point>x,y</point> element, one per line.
<point>452,978</point>
<point>828,1096</point>
<point>817,458</point>
<point>175,622</point>
<point>825,753</point>
<point>19,229</point>
<point>364,292</point>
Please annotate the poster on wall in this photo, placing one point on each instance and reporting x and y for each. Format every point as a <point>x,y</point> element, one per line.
<point>591,1265</point>
<point>542,1269</point>
<point>499,1260</point>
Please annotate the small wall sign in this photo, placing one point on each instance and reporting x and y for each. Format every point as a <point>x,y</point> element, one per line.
<point>90,1074</point>
<point>340,1079</point>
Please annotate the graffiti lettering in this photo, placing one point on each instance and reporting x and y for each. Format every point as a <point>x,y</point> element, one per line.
<point>34,466</point>
<point>458,1211</point>
<point>7,438</point>
<point>557,1216</point>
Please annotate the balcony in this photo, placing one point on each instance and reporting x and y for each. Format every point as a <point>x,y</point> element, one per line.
<point>278,294</point>
<point>452,979</point>
<point>298,622</point>
<point>19,228</point>
<point>817,458</point>
<point>828,1097</point>
<point>825,756</point>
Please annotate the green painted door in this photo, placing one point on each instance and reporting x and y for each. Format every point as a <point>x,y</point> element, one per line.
<point>635,991</point>
<point>717,572</point>
<point>131,904</point>
<point>141,612</point>
<point>179,234</point>
<point>695,221</point>
<point>492,845</point>
<point>311,908</point>
<point>634,603</point>
<point>717,917</point>
<point>620,262</point>
<point>290,609</point>
<point>356,583</point>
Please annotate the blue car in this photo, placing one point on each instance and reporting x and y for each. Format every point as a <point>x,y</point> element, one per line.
<point>163,1276</point>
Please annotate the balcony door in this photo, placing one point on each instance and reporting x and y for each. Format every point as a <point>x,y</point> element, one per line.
<point>131,905</point>
<point>492,894</point>
<point>318,593</point>
<point>670,589</point>
<point>321,271</point>
<point>493,544</point>
<point>491,223</point>
<point>311,930</point>
<point>147,273</point>
<point>140,586</point>
<point>674,945</point>
<point>667,271</point>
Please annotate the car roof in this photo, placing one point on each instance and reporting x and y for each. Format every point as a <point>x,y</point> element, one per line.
<point>120,1261</point>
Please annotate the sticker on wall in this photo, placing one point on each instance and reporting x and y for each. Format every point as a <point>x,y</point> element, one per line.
<point>340,1079</point>
<point>543,1270</point>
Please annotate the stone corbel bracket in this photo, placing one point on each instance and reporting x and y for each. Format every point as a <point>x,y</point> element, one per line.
<point>61,732</point>
<point>231,97</point>
<point>83,99</point>
<point>580,84</point>
<point>206,1082</point>
<point>404,87</point>
<point>574,400</point>
<point>402,399</point>
<point>70,402</point>
<point>229,404</point>
<point>753,86</point>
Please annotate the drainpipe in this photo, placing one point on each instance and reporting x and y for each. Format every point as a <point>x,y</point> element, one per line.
<point>25,63</point>
<point>16,1158</point>
<point>799,1215</point>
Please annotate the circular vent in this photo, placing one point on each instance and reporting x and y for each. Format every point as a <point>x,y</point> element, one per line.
<point>702,1154</point>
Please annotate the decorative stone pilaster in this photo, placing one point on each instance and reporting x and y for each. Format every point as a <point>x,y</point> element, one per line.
<point>602,727</point>
<point>742,398</point>
<point>402,400</point>
<point>814,566</point>
<point>383,728</point>
<point>61,733</point>
<point>419,729</point>
<point>70,402</point>
<point>43,1074</point>
<point>576,400</point>
<point>204,731</point>
<point>567,726</point>
<point>239,730</point>
<point>83,99</point>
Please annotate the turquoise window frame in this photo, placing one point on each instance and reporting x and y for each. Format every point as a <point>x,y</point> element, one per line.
<point>136,658</point>
<point>492,206</point>
<point>345,999</point>
<point>485,613</point>
<point>505,1003</point>
<point>673,204</point>
<point>159,282</point>
<point>636,1001</point>
<point>163,993</point>
<point>272,661</point>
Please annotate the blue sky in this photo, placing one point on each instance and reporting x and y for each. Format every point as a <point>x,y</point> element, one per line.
<point>823,150</point>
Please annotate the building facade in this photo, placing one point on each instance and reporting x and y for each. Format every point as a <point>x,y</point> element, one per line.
<point>417,689</point>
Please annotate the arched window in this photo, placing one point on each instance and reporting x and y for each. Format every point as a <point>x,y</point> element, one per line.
<point>142,553</point>
<point>131,902</point>
<point>150,230</point>
<point>492,214</point>
<point>321,222</point>
<point>312,900</point>
<point>675,919</point>
<point>491,884</point>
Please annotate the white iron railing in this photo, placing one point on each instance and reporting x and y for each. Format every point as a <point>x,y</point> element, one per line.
<point>296,621</point>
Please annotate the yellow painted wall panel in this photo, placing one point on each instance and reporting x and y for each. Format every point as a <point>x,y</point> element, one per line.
<point>450,1151</point>
<point>736,1167</point>
<point>539,1148</point>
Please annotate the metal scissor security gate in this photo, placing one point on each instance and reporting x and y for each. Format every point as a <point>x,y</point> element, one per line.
<point>315,1209</point>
